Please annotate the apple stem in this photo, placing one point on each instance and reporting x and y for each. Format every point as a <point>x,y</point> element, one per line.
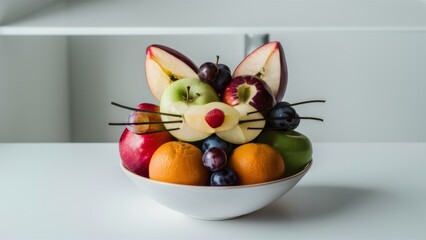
<point>147,111</point>
<point>217,64</point>
<point>187,93</point>
<point>280,118</point>
<point>143,123</point>
<point>158,131</point>
<point>292,104</point>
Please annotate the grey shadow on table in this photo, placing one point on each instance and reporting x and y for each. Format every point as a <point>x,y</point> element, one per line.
<point>307,202</point>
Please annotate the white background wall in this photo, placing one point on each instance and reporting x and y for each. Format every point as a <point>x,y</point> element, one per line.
<point>373,81</point>
<point>56,88</point>
<point>34,89</point>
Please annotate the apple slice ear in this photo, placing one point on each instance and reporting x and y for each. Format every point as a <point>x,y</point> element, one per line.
<point>268,63</point>
<point>165,65</point>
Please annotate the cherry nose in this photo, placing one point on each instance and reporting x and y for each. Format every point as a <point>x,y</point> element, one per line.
<point>214,118</point>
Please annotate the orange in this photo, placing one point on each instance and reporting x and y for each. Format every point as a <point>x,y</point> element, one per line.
<point>178,162</point>
<point>256,163</point>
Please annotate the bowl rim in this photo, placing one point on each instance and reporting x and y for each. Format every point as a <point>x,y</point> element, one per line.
<point>215,188</point>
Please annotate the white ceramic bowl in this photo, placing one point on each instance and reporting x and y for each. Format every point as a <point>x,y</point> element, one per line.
<point>215,203</point>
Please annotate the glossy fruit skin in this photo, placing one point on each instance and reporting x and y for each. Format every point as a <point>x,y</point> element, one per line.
<point>159,70</point>
<point>136,150</point>
<point>137,117</point>
<point>208,72</point>
<point>224,177</point>
<point>251,90</point>
<point>265,57</point>
<point>216,75</point>
<point>215,118</point>
<point>283,110</point>
<point>224,67</point>
<point>255,163</point>
<point>214,159</point>
<point>222,80</point>
<point>143,116</point>
<point>177,93</point>
<point>180,163</point>
<point>215,141</point>
<point>174,53</point>
<point>294,147</point>
<point>199,93</point>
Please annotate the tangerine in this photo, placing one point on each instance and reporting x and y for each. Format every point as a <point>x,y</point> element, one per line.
<point>178,162</point>
<point>256,163</point>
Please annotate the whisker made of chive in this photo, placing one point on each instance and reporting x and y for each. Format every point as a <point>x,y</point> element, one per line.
<point>146,111</point>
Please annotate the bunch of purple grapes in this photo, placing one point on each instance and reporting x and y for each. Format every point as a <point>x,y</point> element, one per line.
<point>215,156</point>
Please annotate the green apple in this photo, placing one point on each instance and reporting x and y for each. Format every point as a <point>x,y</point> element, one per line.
<point>177,99</point>
<point>294,147</point>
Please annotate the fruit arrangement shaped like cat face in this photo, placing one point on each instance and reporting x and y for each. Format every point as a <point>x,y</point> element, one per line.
<point>198,102</point>
<point>217,108</point>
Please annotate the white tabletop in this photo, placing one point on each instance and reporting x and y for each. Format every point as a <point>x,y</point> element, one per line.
<point>77,191</point>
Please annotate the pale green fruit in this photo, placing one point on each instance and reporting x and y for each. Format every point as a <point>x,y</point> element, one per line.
<point>294,147</point>
<point>178,98</point>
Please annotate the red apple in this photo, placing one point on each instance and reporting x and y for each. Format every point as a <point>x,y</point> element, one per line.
<point>136,150</point>
<point>165,65</point>
<point>136,116</point>
<point>268,63</point>
<point>249,90</point>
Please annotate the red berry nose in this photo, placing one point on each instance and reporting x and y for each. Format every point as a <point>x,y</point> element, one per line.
<point>215,118</point>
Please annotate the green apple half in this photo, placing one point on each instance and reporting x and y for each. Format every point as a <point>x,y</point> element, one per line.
<point>178,97</point>
<point>294,147</point>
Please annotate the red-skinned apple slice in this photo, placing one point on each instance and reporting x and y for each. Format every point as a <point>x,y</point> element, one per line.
<point>268,63</point>
<point>165,65</point>
<point>249,89</point>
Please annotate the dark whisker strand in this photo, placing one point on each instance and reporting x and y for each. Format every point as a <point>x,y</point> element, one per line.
<point>144,123</point>
<point>159,131</point>
<point>147,111</point>
<point>265,128</point>
<point>280,118</point>
<point>290,105</point>
<point>310,101</point>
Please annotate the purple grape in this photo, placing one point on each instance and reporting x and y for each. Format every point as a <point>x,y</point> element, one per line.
<point>224,67</point>
<point>216,75</point>
<point>290,119</point>
<point>214,159</point>
<point>208,72</point>
<point>224,177</point>
<point>223,78</point>
<point>215,141</point>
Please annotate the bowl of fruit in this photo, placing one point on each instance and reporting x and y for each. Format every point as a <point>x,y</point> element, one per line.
<point>219,144</point>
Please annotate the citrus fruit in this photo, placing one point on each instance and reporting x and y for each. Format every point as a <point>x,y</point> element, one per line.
<point>178,162</point>
<point>256,163</point>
